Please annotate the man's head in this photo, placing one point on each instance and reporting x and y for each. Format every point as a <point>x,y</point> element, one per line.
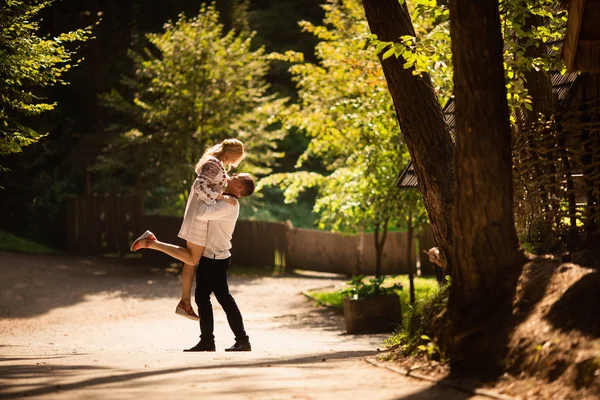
<point>240,185</point>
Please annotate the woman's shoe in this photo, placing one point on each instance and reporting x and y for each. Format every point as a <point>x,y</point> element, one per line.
<point>147,236</point>
<point>186,311</point>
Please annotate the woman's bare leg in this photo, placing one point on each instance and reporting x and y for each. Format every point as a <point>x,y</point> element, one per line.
<point>190,255</point>
<point>188,272</point>
<point>187,280</point>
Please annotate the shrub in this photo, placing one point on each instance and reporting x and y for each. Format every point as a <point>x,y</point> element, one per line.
<point>358,289</point>
<point>424,327</point>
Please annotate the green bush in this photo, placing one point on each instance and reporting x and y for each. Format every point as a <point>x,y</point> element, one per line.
<point>8,241</point>
<point>424,326</point>
<point>423,288</point>
<point>359,289</point>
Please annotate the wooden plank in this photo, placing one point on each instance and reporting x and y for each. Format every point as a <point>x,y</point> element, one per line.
<point>260,243</point>
<point>72,228</point>
<point>112,235</point>
<point>94,225</point>
<point>121,225</point>
<point>84,227</point>
<point>576,8</point>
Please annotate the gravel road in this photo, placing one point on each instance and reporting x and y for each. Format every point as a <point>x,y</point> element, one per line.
<point>86,328</point>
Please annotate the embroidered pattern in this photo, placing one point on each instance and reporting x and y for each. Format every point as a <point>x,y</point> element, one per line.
<point>211,180</point>
<point>210,169</point>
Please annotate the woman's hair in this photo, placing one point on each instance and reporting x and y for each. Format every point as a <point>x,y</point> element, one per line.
<point>232,147</point>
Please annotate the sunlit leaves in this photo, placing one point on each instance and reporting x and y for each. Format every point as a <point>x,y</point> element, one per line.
<point>196,85</point>
<point>28,63</point>
<point>525,23</point>
<point>347,112</point>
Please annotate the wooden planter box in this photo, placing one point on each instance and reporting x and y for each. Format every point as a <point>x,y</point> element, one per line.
<point>372,315</point>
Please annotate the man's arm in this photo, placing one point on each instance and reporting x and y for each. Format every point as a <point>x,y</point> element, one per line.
<point>220,210</point>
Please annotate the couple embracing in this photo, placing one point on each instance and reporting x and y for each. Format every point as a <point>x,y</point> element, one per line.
<point>209,221</point>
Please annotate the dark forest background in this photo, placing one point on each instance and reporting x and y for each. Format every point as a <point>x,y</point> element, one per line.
<point>43,176</point>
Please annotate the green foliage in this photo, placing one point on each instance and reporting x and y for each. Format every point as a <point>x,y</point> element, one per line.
<point>525,23</point>
<point>431,348</point>
<point>347,113</point>
<point>8,241</point>
<point>359,289</point>
<point>426,320</point>
<point>424,287</point>
<point>28,63</point>
<point>429,50</point>
<point>330,299</point>
<point>270,207</point>
<point>194,85</point>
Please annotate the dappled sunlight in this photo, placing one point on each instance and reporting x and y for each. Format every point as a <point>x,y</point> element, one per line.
<point>245,374</point>
<point>36,285</point>
<point>111,336</point>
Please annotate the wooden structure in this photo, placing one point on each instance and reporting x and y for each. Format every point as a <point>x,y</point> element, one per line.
<point>103,224</point>
<point>564,86</point>
<point>106,224</point>
<point>556,162</point>
<point>581,50</point>
<point>85,152</point>
<point>377,314</point>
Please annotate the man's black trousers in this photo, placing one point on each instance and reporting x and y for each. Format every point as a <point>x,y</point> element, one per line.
<point>211,277</point>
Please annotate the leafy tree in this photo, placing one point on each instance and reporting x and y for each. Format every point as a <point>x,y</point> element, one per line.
<point>485,253</point>
<point>28,63</point>
<point>194,85</point>
<point>419,114</point>
<point>531,30</point>
<point>347,113</point>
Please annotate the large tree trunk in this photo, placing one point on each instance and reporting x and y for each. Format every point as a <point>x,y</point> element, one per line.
<point>485,252</point>
<point>421,120</point>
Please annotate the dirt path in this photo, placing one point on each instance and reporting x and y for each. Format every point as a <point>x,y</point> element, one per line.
<point>85,328</point>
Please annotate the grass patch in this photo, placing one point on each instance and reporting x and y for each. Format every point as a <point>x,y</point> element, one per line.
<point>331,299</point>
<point>10,242</point>
<point>424,327</point>
<point>423,288</point>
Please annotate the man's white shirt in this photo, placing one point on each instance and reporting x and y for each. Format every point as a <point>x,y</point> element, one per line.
<point>222,217</point>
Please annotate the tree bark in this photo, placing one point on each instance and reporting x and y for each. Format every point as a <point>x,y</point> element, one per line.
<point>421,120</point>
<point>485,251</point>
<point>380,234</point>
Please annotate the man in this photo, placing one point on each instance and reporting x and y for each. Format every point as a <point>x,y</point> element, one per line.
<point>211,273</point>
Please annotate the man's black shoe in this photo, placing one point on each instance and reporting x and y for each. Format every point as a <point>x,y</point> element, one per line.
<point>203,346</point>
<point>240,346</point>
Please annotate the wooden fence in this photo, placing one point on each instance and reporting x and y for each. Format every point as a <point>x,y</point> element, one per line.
<point>103,223</point>
<point>108,224</point>
<point>332,252</point>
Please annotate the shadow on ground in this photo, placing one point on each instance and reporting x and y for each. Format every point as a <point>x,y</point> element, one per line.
<point>32,285</point>
<point>438,391</point>
<point>579,307</point>
<point>327,319</point>
<point>18,373</point>
<point>532,285</point>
